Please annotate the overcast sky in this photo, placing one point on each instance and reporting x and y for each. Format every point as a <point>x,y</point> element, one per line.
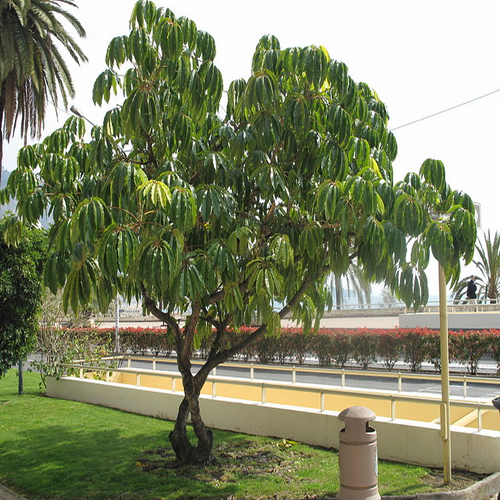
<point>420,57</point>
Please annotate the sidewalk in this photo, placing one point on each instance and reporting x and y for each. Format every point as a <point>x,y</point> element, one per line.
<point>6,494</point>
<point>326,322</point>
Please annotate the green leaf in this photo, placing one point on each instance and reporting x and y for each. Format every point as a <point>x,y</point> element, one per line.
<point>183,209</point>
<point>373,248</point>
<point>90,218</point>
<point>172,39</point>
<point>12,228</point>
<point>79,285</point>
<point>327,197</point>
<point>282,250</point>
<point>310,241</point>
<point>413,287</point>
<point>316,65</point>
<point>396,242</point>
<point>409,215</point>
<point>339,124</point>
<point>106,82</point>
<point>155,194</point>
<point>205,46</point>
<point>239,240</point>
<point>433,172</point>
<point>116,54</point>
<point>440,239</point>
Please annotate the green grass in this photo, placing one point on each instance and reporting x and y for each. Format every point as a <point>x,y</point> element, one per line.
<point>64,450</point>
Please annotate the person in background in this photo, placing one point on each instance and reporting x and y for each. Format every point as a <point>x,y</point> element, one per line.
<point>471,291</point>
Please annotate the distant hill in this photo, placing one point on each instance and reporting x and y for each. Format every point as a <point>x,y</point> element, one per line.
<point>11,206</point>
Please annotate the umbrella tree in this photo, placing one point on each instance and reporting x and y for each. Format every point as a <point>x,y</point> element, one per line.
<point>231,217</point>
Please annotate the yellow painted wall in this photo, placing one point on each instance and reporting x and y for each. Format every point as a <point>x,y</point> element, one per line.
<point>404,441</point>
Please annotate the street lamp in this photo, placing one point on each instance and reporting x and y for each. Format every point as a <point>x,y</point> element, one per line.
<point>77,112</point>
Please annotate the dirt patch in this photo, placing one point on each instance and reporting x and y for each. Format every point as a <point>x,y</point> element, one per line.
<point>460,479</point>
<point>233,460</point>
<point>242,458</point>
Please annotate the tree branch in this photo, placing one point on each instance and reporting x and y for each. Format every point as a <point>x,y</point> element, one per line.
<point>163,316</point>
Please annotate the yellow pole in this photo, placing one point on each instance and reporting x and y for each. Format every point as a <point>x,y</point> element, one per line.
<point>445,377</point>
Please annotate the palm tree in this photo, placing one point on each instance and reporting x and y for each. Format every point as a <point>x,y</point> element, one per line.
<point>354,279</point>
<point>488,265</point>
<point>32,70</point>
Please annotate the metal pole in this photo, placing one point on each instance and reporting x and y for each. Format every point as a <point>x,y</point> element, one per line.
<point>20,382</point>
<point>117,325</point>
<point>445,377</point>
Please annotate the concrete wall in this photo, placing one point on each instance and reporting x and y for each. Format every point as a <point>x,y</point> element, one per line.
<point>398,440</point>
<point>456,321</point>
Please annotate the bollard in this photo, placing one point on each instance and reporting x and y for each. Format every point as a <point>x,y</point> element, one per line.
<point>358,455</point>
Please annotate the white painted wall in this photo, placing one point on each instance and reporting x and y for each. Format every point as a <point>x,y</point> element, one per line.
<point>456,321</point>
<point>398,440</point>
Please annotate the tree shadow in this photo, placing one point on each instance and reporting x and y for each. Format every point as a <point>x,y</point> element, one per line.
<point>58,462</point>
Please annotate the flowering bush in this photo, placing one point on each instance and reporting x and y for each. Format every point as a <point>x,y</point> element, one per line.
<point>330,346</point>
<point>389,348</point>
<point>364,347</point>
<point>495,347</point>
<point>469,347</point>
<point>322,347</point>
<point>413,344</point>
<point>433,349</point>
<point>147,340</point>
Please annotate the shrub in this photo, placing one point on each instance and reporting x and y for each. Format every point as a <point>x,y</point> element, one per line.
<point>58,346</point>
<point>495,347</point>
<point>364,347</point>
<point>433,349</point>
<point>413,344</point>
<point>154,341</point>
<point>332,347</point>
<point>469,347</point>
<point>266,349</point>
<point>389,348</point>
<point>302,343</point>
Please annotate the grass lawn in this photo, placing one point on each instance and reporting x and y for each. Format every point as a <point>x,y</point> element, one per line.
<point>55,449</point>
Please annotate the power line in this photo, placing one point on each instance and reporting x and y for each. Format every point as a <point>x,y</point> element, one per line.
<point>446,110</point>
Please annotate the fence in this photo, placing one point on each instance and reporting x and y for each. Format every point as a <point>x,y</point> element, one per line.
<point>318,392</point>
<point>399,377</point>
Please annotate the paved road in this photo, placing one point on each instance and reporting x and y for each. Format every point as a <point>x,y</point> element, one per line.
<point>474,390</point>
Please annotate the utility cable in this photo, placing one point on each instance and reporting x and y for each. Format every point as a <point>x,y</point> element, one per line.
<point>446,110</point>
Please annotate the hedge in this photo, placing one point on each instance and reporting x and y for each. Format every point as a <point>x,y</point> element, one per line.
<point>330,347</point>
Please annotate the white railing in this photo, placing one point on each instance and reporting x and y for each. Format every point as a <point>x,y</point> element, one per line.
<point>464,380</point>
<point>482,305</point>
<point>320,391</point>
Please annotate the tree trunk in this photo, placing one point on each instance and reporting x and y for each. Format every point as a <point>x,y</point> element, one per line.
<point>184,450</point>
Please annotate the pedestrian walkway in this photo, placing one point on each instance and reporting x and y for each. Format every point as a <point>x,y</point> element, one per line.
<point>6,494</point>
<point>326,322</point>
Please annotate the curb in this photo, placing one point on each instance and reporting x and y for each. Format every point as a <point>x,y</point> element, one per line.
<point>487,488</point>
<point>6,494</point>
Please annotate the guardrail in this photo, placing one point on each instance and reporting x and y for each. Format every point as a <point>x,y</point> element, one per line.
<point>465,380</point>
<point>321,391</point>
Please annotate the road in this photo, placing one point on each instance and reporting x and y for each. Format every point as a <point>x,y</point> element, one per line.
<point>474,390</point>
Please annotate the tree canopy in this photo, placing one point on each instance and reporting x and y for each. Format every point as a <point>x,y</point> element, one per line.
<point>20,294</point>
<point>232,212</point>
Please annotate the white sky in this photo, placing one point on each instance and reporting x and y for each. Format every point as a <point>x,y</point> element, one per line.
<point>420,57</point>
